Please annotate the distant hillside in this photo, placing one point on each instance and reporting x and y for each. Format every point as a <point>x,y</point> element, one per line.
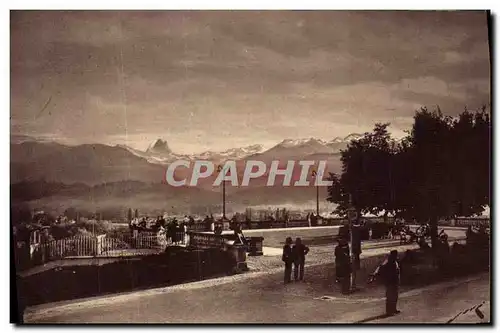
<point>54,175</point>
<point>89,164</point>
<point>57,197</point>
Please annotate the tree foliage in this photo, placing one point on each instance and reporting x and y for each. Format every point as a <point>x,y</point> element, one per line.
<point>440,170</point>
<point>367,174</point>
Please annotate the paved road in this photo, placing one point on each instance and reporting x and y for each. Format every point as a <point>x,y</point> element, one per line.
<point>260,297</point>
<point>266,300</point>
<point>441,303</point>
<point>316,235</point>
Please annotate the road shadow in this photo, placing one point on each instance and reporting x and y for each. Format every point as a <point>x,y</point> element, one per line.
<point>381,316</point>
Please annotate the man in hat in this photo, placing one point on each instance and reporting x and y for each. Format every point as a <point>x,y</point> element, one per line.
<point>287,258</point>
<point>299,251</point>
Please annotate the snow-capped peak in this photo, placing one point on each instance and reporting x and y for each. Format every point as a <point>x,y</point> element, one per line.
<point>159,151</point>
<point>233,153</point>
<point>159,146</point>
<point>243,150</point>
<point>353,136</point>
<point>299,142</point>
<point>337,140</point>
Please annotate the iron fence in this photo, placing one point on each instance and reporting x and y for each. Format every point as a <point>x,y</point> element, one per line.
<point>96,246</point>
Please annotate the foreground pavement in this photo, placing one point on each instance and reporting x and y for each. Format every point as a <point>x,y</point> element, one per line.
<point>447,302</point>
<point>265,300</point>
<point>260,297</point>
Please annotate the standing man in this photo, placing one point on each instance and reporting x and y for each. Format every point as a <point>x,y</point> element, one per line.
<point>207,223</point>
<point>287,258</point>
<point>176,228</point>
<point>239,233</point>
<point>212,223</point>
<point>169,232</point>
<point>184,232</point>
<point>299,251</point>
<point>389,271</point>
<point>185,220</point>
<point>314,220</point>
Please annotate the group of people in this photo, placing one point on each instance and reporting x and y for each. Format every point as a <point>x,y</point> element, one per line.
<point>175,232</point>
<point>172,231</point>
<point>294,254</point>
<point>209,223</point>
<point>388,272</point>
<point>312,219</point>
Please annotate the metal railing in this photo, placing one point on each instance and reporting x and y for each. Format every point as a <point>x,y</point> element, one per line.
<point>96,246</point>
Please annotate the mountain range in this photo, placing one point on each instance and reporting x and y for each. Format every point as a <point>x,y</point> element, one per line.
<point>139,174</point>
<point>160,153</point>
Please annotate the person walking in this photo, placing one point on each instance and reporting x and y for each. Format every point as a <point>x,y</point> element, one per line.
<point>299,251</point>
<point>170,233</point>
<point>287,258</point>
<point>389,272</point>
<point>176,232</point>
<point>184,233</point>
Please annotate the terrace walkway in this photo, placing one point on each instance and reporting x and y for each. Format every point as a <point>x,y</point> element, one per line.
<point>321,240</point>
<point>260,297</point>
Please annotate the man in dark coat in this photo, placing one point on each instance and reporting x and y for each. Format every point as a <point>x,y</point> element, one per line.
<point>287,258</point>
<point>389,272</point>
<point>207,223</point>
<point>239,234</point>
<point>175,231</point>
<point>299,251</point>
<point>143,224</point>
<point>343,265</point>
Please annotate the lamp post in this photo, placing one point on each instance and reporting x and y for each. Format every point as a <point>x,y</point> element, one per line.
<point>94,223</point>
<point>219,169</point>
<point>315,175</point>
<point>352,216</point>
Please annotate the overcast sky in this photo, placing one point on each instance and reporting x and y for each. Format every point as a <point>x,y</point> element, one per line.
<point>216,80</point>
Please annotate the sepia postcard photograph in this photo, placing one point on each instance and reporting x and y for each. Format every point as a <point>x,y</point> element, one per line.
<point>250,167</point>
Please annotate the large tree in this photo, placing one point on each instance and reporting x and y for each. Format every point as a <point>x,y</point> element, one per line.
<point>429,158</point>
<point>440,170</point>
<point>471,162</point>
<point>447,164</point>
